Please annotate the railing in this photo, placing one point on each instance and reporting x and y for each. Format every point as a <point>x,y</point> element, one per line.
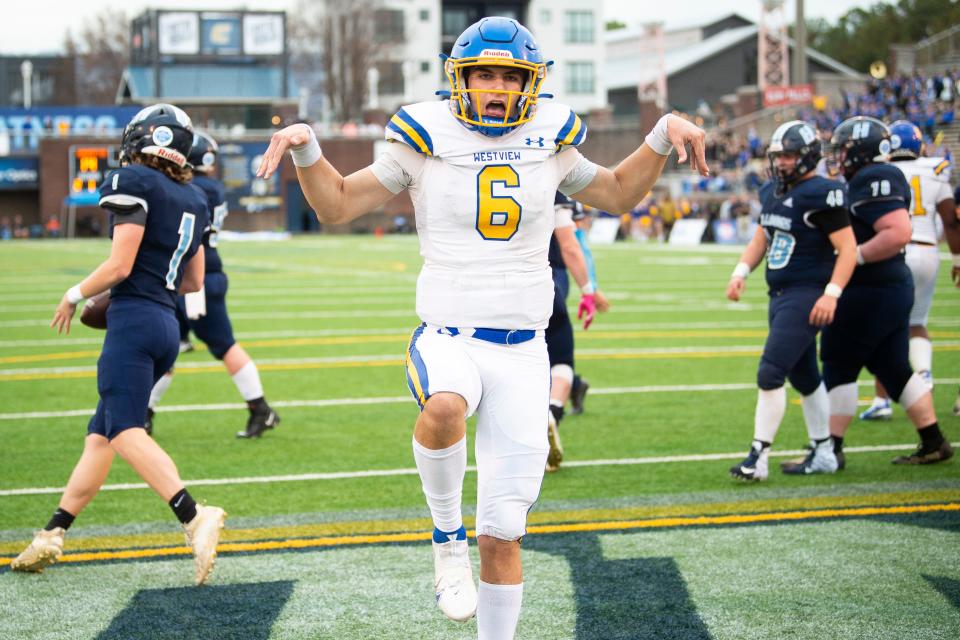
<point>934,49</point>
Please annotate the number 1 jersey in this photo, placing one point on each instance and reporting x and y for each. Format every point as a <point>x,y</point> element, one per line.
<point>484,210</point>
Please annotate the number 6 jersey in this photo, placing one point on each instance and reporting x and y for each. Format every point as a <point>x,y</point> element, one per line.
<point>797,225</point>
<point>484,210</point>
<point>173,216</point>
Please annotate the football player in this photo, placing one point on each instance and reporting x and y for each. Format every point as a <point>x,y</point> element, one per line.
<point>929,180</point>
<point>213,327</point>
<point>567,252</point>
<point>482,168</point>
<point>156,223</point>
<point>803,222</point>
<point>871,327</point>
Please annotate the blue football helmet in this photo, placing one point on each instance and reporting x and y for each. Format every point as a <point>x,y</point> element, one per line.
<point>906,140</point>
<point>499,42</point>
<point>161,130</point>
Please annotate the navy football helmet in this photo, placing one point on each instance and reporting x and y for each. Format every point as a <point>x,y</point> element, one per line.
<point>798,138</point>
<point>906,140</point>
<point>203,153</point>
<point>495,42</point>
<point>860,141</point>
<point>161,130</point>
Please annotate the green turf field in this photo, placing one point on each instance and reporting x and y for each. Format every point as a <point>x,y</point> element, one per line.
<point>641,534</point>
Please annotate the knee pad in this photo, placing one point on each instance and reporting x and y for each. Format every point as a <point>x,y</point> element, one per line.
<point>562,371</point>
<point>503,505</point>
<point>770,376</point>
<point>912,392</point>
<point>843,399</point>
<point>805,382</point>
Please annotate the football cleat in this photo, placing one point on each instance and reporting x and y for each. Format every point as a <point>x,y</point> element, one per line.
<point>755,466</point>
<point>555,455</point>
<point>577,396</point>
<point>148,423</point>
<point>44,550</point>
<point>924,455</point>
<point>203,534</point>
<point>261,419</point>
<point>881,409</point>
<point>453,577</point>
<point>821,459</point>
<point>186,346</point>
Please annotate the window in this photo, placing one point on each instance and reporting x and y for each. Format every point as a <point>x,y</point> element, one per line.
<point>424,66</point>
<point>424,15</point>
<point>545,16</point>
<point>388,25</point>
<point>390,82</point>
<point>578,27</point>
<point>579,77</point>
<point>455,20</point>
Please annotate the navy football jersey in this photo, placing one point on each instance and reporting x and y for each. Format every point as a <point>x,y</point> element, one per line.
<point>873,192</point>
<point>176,215</point>
<point>798,252</point>
<point>216,196</point>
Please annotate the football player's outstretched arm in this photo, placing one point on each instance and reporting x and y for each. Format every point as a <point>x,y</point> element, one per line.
<point>749,260</point>
<point>334,198</point>
<point>111,272</point>
<point>620,189</point>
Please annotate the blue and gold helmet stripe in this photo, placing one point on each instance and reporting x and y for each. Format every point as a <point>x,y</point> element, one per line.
<point>416,369</point>
<point>941,167</point>
<point>572,133</point>
<point>411,131</point>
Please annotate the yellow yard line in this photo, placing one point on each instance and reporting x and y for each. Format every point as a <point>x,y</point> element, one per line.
<point>534,529</point>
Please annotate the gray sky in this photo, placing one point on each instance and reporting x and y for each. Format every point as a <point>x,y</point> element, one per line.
<point>38,26</point>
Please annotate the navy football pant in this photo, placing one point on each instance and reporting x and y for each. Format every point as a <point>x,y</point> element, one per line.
<point>214,329</point>
<point>790,351</point>
<point>559,333</point>
<point>141,345</point>
<point>871,329</point>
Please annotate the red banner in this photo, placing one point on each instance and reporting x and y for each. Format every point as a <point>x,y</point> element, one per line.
<point>791,94</point>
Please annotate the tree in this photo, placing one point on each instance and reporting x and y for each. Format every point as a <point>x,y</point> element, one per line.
<point>862,36</point>
<point>101,52</point>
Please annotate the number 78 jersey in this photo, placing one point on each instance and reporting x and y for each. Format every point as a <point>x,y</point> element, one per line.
<point>484,211</point>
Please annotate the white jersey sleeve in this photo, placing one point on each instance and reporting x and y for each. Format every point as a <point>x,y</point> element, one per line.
<point>397,166</point>
<point>579,172</point>
<point>564,216</point>
<point>929,180</point>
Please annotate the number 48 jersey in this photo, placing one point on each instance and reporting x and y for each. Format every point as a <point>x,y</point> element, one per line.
<point>173,216</point>
<point>484,210</point>
<point>929,180</point>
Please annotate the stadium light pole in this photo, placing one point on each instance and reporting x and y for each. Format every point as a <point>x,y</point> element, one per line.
<point>800,46</point>
<point>26,70</point>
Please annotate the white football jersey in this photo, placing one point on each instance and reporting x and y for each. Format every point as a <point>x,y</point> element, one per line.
<point>929,180</point>
<point>484,211</point>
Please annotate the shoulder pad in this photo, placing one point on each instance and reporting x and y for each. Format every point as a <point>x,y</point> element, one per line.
<point>404,128</point>
<point>572,132</point>
<point>880,181</point>
<point>127,187</point>
<point>942,167</point>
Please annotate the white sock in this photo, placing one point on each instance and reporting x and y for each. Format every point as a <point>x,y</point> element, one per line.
<point>159,389</point>
<point>498,610</point>
<point>248,382</point>
<point>771,405</point>
<point>816,413</point>
<point>921,354</point>
<point>441,473</point>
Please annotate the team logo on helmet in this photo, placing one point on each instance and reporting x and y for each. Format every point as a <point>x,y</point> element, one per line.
<point>162,136</point>
<point>209,159</point>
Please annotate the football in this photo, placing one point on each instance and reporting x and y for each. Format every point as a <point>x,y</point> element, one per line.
<point>94,313</point>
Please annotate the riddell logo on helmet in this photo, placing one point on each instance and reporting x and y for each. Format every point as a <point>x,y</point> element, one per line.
<point>495,53</point>
<point>169,154</point>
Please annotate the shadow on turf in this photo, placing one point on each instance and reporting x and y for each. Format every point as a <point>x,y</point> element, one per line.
<point>241,611</point>
<point>637,598</point>
<point>949,587</point>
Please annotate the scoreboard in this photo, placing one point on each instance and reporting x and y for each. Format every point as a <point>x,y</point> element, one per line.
<point>89,165</point>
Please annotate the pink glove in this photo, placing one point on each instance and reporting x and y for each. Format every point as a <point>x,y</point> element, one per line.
<point>588,308</point>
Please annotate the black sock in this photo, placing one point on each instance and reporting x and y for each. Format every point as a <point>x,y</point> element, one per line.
<point>257,404</point>
<point>930,436</point>
<point>837,444</point>
<point>183,506</point>
<point>576,383</point>
<point>557,413</point>
<point>61,518</point>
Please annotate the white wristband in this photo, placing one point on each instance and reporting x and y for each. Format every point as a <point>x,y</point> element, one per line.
<point>742,270</point>
<point>657,139</point>
<point>956,259</point>
<point>308,153</point>
<point>73,295</point>
<point>860,259</point>
<point>588,289</point>
<point>833,290</point>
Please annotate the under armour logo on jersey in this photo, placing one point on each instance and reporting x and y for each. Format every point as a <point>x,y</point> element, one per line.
<point>530,141</point>
<point>788,202</point>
